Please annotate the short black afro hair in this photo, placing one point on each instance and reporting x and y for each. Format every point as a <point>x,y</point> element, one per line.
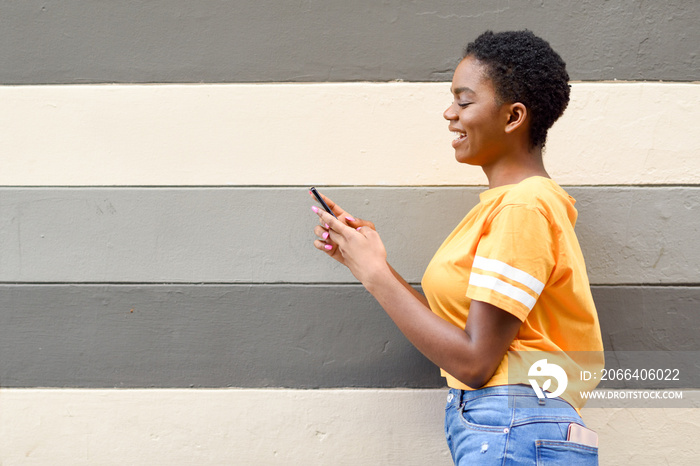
<point>525,69</point>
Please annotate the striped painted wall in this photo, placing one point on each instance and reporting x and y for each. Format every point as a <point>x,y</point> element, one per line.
<point>161,300</point>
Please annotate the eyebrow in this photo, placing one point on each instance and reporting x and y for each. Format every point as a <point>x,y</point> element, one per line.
<point>461,90</point>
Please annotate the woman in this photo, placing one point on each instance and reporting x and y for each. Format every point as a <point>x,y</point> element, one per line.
<point>509,283</point>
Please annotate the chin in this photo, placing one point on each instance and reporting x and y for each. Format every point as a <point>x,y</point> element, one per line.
<point>467,160</point>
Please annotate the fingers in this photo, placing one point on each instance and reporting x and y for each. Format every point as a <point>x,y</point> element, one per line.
<point>336,234</point>
<point>323,246</point>
<point>358,222</point>
<point>335,208</point>
<point>344,216</point>
<point>324,242</point>
<point>333,223</point>
<point>333,234</point>
<point>321,232</point>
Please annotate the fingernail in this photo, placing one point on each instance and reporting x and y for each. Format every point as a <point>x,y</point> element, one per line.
<point>314,208</point>
<point>327,247</point>
<point>326,226</point>
<point>325,235</point>
<point>349,219</point>
<point>358,228</point>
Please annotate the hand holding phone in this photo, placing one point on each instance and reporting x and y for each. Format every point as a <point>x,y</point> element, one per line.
<point>321,201</point>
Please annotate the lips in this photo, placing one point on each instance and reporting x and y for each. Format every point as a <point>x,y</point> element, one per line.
<point>459,137</point>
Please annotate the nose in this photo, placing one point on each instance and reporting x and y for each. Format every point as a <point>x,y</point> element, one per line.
<point>450,113</point>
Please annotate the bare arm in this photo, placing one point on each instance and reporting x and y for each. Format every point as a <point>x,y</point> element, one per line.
<point>470,355</point>
<point>420,296</point>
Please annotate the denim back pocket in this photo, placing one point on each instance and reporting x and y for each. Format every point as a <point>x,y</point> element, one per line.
<point>558,452</point>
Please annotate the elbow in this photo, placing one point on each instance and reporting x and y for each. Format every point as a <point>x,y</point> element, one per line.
<point>475,377</point>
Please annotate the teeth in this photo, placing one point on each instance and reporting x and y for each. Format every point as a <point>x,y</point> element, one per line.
<point>459,135</point>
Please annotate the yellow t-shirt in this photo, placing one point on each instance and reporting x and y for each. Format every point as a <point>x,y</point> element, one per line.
<point>517,250</point>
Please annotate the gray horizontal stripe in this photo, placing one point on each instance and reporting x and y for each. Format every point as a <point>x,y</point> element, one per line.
<point>261,336</point>
<point>649,318</point>
<point>202,336</point>
<point>330,40</point>
<point>629,235</point>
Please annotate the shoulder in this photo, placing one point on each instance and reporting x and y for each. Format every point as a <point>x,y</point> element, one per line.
<point>538,194</point>
<point>534,191</point>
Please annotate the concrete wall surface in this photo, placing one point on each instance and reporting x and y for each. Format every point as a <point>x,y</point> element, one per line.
<point>160,298</point>
<point>330,40</point>
<point>283,427</point>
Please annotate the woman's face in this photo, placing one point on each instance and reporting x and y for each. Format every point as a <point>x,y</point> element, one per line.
<point>475,116</point>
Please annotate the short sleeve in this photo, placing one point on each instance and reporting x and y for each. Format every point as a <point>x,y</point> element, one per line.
<point>514,259</point>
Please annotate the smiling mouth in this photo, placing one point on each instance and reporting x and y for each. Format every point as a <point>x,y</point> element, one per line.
<point>458,137</point>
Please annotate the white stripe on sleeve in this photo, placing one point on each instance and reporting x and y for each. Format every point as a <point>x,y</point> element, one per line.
<point>524,278</point>
<point>499,286</point>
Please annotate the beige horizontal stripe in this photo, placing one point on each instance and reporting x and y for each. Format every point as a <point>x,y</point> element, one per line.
<point>328,134</point>
<point>222,427</point>
<point>281,427</point>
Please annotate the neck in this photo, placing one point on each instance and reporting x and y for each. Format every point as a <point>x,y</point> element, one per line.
<point>515,168</point>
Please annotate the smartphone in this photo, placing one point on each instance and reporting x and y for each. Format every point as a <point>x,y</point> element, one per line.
<point>582,435</point>
<point>321,201</point>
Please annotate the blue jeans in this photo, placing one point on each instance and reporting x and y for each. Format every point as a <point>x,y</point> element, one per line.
<point>509,425</point>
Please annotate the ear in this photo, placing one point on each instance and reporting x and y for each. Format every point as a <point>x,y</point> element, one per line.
<point>517,116</point>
